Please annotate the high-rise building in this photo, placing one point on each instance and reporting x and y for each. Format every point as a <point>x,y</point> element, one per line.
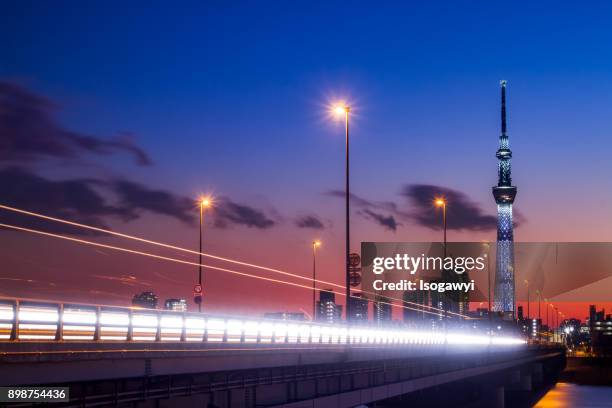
<point>592,315</point>
<point>504,194</point>
<point>147,300</point>
<point>327,310</point>
<point>535,328</point>
<point>358,308</point>
<point>178,305</point>
<point>382,310</point>
<point>415,302</point>
<point>440,302</point>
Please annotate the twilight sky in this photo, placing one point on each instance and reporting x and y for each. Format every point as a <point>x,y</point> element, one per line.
<point>119,116</point>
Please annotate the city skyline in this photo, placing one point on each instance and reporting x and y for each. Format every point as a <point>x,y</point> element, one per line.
<point>134,141</point>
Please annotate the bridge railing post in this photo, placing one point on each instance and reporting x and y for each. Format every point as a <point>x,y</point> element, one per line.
<point>96,336</point>
<point>59,334</point>
<point>130,330</point>
<point>184,328</point>
<point>158,330</point>
<point>15,329</point>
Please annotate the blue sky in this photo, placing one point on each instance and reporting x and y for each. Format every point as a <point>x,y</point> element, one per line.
<point>231,97</point>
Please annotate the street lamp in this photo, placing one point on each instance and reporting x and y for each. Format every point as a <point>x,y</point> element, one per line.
<point>539,294</point>
<point>552,324</point>
<point>557,321</point>
<point>528,303</point>
<point>315,245</point>
<point>546,307</point>
<point>539,304</point>
<point>487,247</point>
<point>204,203</point>
<point>441,202</point>
<point>339,110</point>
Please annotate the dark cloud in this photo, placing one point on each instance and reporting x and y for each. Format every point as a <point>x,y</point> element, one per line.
<point>462,213</point>
<point>361,202</point>
<point>83,201</point>
<point>76,200</point>
<point>372,210</point>
<point>309,221</point>
<point>227,212</point>
<point>387,221</point>
<point>28,130</point>
<point>135,197</point>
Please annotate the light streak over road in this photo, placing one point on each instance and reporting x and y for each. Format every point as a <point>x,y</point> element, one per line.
<point>165,258</point>
<point>438,311</point>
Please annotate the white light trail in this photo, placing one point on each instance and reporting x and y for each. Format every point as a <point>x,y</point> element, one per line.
<point>177,248</point>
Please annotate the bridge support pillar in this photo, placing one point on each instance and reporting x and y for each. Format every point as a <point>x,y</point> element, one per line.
<point>526,382</point>
<point>537,372</point>
<point>514,377</point>
<point>495,397</point>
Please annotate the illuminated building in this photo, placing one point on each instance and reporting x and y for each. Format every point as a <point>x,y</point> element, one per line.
<point>417,299</point>
<point>601,333</point>
<point>147,300</point>
<point>327,309</point>
<point>178,305</point>
<point>358,308</point>
<point>535,328</point>
<point>382,310</point>
<point>504,194</point>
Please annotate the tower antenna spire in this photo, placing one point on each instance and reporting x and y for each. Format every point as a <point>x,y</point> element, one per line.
<point>502,83</point>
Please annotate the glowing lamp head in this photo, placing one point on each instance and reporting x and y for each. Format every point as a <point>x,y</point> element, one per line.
<point>440,202</point>
<point>206,202</point>
<point>340,109</point>
<point>316,243</point>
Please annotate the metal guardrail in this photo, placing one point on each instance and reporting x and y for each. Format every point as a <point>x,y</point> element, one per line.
<point>26,320</point>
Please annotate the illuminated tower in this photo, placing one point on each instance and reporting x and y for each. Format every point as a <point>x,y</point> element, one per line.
<point>504,194</point>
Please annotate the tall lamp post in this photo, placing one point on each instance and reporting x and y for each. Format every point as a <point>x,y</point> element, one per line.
<point>556,317</point>
<point>487,247</point>
<point>315,245</point>
<point>552,324</point>
<point>539,294</point>
<point>344,110</point>
<point>205,202</point>
<point>546,307</point>
<point>528,302</point>
<point>441,203</point>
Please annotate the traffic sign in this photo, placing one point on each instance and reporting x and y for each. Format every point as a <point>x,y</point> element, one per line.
<point>354,259</point>
<point>354,279</point>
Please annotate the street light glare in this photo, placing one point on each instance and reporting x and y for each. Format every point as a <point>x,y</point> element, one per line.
<point>316,243</point>
<point>206,202</point>
<point>339,109</point>
<point>440,202</point>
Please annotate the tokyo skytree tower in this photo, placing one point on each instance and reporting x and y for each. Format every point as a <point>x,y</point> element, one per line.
<point>504,194</point>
